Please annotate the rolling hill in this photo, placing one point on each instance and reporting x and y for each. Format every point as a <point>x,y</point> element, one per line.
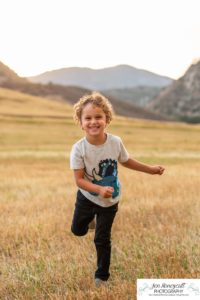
<point>17,104</point>
<point>71,94</point>
<point>139,95</point>
<point>121,76</point>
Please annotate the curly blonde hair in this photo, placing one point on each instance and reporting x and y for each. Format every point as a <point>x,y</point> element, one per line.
<point>96,99</point>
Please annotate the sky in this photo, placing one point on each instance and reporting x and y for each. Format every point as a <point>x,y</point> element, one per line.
<point>162,36</point>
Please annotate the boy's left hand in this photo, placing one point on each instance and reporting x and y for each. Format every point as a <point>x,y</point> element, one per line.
<point>157,170</point>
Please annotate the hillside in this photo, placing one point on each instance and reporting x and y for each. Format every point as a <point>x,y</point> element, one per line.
<point>10,80</point>
<point>6,74</point>
<point>18,104</point>
<point>133,111</point>
<point>13,102</point>
<point>140,95</point>
<point>71,94</point>
<point>122,76</point>
<point>181,99</point>
<point>53,91</point>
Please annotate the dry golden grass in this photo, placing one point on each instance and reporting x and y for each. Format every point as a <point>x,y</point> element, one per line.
<point>16,103</point>
<point>156,231</point>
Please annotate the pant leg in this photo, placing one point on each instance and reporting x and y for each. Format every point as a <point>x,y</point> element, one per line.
<point>102,240</point>
<point>83,215</point>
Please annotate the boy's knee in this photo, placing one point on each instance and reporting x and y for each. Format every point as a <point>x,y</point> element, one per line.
<point>77,232</point>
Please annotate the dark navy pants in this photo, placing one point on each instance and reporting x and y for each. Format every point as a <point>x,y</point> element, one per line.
<point>84,212</point>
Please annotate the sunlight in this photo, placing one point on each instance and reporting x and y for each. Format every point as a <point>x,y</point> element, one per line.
<point>160,36</point>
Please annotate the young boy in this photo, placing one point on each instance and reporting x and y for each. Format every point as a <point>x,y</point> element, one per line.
<point>94,160</point>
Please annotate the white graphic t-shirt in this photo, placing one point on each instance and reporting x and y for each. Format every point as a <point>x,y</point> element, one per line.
<point>100,166</point>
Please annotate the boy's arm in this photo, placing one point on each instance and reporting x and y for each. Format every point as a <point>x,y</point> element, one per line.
<point>104,191</point>
<point>138,166</point>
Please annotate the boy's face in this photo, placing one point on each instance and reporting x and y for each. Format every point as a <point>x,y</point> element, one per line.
<point>93,120</point>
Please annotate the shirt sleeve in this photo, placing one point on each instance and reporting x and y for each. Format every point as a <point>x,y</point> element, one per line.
<point>123,155</point>
<point>76,159</point>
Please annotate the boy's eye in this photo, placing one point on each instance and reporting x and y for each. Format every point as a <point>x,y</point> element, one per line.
<point>98,117</point>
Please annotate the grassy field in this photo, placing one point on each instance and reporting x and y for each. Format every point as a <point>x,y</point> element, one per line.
<point>156,231</point>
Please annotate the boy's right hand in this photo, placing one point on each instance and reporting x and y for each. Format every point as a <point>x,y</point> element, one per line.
<point>106,191</point>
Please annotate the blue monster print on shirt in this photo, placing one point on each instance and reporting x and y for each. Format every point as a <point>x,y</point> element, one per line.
<point>107,176</point>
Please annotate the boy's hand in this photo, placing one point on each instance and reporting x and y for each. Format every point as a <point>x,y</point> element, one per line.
<point>106,191</point>
<point>157,170</point>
